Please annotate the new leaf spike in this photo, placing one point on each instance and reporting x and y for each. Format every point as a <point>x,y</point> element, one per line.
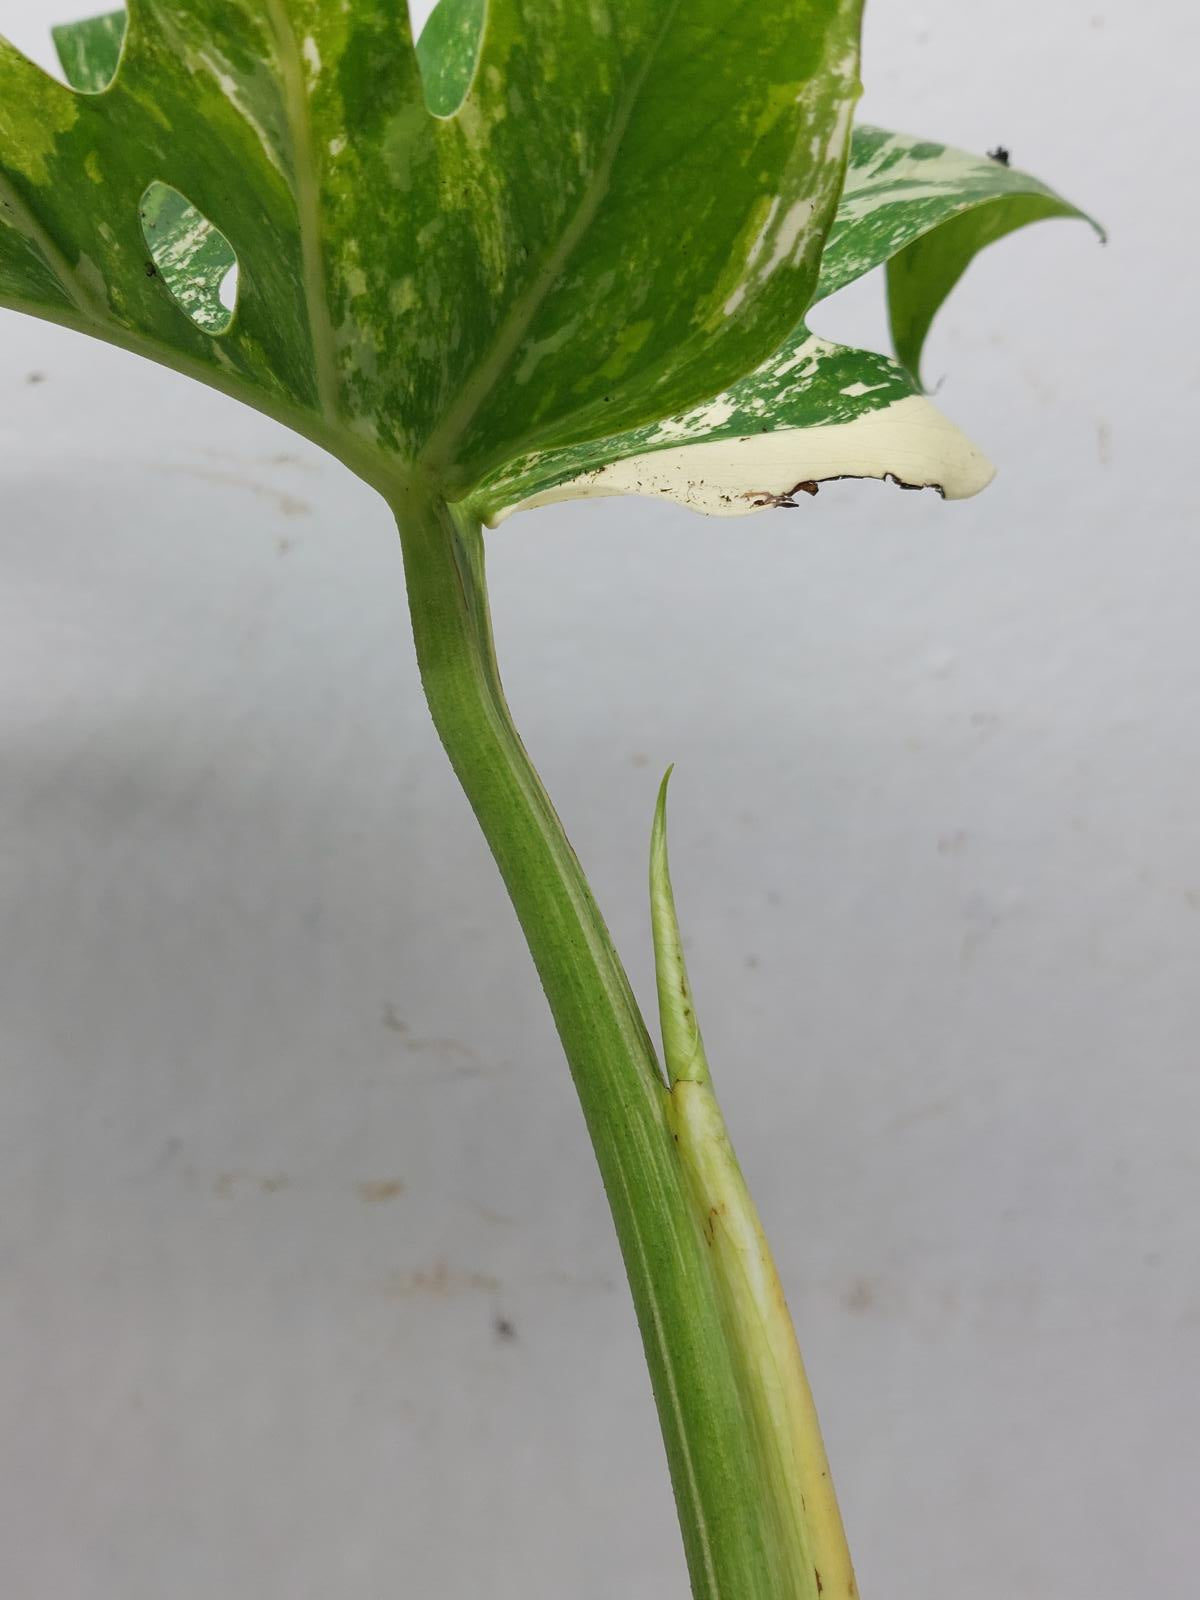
<point>682,1045</point>
<point>810,1558</point>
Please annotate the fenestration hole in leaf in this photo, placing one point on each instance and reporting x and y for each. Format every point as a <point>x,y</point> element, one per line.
<point>90,51</point>
<point>192,256</point>
<point>447,51</point>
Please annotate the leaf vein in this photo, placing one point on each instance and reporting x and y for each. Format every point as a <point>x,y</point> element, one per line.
<point>63,273</point>
<point>308,206</point>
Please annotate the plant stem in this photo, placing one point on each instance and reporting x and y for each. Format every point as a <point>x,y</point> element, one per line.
<point>728,1520</point>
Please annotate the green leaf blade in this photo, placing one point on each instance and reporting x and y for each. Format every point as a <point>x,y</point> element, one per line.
<point>925,210</point>
<point>625,210</point>
<point>221,100</point>
<point>669,198</point>
<point>448,52</point>
<point>814,410</point>
<point>515,251</point>
<point>921,277</point>
<point>90,51</point>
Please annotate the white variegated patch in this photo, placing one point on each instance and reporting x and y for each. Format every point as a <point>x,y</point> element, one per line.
<point>909,441</point>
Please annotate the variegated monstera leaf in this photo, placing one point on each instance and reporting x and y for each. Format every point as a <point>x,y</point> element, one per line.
<point>556,247</point>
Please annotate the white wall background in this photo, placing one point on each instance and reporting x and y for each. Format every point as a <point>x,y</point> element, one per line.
<point>286,1144</point>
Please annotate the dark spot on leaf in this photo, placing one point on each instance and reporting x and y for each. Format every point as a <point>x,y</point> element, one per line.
<point>151,270</point>
<point>1000,154</point>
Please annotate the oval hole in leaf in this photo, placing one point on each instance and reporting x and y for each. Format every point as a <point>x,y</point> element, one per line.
<point>447,51</point>
<point>89,52</point>
<point>195,259</point>
<point>227,292</point>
